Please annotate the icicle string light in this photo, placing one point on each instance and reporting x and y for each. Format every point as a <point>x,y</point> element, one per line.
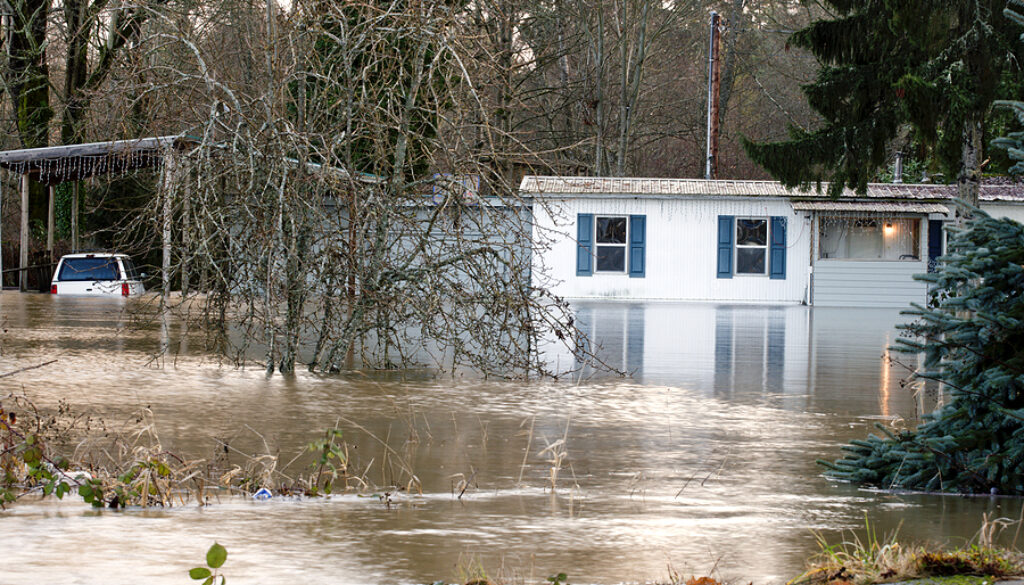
<point>53,171</point>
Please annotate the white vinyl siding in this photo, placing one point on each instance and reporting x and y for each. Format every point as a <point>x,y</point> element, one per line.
<point>839,283</point>
<point>681,249</point>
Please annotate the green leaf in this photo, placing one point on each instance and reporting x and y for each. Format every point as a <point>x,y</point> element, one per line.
<point>208,581</point>
<point>216,556</point>
<point>32,455</point>
<point>199,573</point>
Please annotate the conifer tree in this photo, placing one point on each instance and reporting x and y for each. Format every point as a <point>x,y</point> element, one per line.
<point>935,67</point>
<point>972,336</point>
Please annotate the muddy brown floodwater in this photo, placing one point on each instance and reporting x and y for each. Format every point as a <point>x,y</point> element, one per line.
<point>702,461</point>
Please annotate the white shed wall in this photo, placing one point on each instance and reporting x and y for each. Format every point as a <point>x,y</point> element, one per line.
<point>1013,211</point>
<point>681,250</point>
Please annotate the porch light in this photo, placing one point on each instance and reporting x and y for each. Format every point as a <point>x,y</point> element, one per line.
<point>888,228</point>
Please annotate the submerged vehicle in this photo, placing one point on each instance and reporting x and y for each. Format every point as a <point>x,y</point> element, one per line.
<point>97,273</point>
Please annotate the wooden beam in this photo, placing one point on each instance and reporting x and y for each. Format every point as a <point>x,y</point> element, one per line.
<point>74,215</point>
<point>23,253</point>
<point>50,219</point>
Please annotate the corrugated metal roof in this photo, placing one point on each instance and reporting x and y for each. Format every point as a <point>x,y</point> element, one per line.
<point>560,186</point>
<point>871,206</point>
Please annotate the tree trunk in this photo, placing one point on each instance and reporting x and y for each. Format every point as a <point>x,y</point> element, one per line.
<point>729,66</point>
<point>28,80</point>
<point>968,183</point>
<point>76,65</point>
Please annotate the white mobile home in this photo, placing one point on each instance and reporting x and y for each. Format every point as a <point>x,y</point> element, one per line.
<point>741,241</point>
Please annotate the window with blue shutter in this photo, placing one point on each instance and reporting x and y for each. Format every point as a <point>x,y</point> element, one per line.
<point>611,244</point>
<point>585,244</point>
<point>777,258</point>
<point>637,245</point>
<point>725,239</point>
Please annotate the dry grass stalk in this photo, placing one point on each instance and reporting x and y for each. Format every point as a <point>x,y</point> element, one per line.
<point>873,560</point>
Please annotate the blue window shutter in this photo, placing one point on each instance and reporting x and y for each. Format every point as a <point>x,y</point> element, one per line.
<point>637,245</point>
<point>726,229</point>
<point>585,244</point>
<point>777,260</point>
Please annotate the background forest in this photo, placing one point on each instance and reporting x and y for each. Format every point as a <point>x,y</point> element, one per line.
<point>608,87</point>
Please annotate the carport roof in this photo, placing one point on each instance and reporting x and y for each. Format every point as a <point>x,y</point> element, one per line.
<point>52,165</point>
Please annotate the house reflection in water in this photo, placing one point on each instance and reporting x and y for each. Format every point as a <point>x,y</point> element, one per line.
<point>816,359</point>
<point>750,349</point>
<point>615,332</point>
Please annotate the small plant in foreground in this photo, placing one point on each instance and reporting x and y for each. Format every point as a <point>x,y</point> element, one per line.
<point>875,560</point>
<point>215,557</point>
<point>559,579</point>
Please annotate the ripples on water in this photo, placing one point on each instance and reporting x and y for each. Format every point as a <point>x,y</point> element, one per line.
<point>703,459</point>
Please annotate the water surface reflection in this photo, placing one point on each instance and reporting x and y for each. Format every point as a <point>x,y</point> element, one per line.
<point>704,458</point>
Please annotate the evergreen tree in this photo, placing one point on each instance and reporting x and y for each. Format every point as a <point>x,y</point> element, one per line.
<point>1014,141</point>
<point>972,336</point>
<point>935,67</point>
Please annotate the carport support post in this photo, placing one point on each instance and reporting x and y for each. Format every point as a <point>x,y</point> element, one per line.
<point>74,216</point>
<point>1,232</point>
<point>186,236</point>
<point>23,253</point>
<point>168,186</point>
<point>2,177</point>
<point>50,220</point>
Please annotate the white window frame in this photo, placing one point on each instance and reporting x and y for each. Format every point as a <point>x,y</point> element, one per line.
<point>914,224</point>
<point>737,246</point>
<point>624,245</point>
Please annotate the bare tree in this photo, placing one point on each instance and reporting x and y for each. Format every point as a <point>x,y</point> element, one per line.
<point>336,196</point>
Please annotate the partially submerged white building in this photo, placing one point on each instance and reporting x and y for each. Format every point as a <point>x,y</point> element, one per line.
<point>742,241</point>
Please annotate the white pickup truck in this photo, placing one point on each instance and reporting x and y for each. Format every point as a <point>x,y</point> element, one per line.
<point>99,273</point>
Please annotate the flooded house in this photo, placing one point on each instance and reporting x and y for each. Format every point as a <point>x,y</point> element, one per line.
<point>742,241</point>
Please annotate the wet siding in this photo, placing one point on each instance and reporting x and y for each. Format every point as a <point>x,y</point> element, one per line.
<point>868,284</point>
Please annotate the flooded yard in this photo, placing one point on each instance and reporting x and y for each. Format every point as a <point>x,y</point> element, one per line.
<point>702,460</point>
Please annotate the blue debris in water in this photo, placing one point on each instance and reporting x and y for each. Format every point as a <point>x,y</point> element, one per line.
<point>262,494</point>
